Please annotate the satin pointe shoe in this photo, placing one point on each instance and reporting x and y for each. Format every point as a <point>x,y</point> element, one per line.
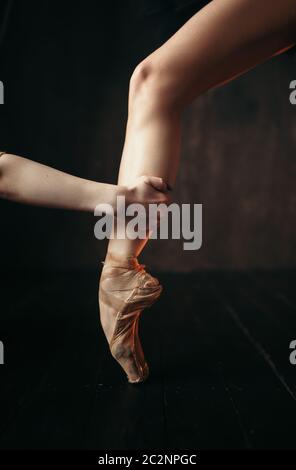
<point>126,289</point>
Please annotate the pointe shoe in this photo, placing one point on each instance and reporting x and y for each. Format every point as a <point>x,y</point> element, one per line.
<point>125,290</point>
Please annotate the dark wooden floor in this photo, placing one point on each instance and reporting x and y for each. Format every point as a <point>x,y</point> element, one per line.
<point>218,348</point>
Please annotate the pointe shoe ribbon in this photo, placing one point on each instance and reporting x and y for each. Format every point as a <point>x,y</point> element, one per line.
<point>128,288</point>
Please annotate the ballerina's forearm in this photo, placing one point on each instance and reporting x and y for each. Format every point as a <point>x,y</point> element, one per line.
<point>29,182</point>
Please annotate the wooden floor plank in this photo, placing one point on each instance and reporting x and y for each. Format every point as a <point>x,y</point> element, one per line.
<point>217,345</point>
<point>61,390</point>
<point>22,321</point>
<point>262,394</point>
<point>199,413</point>
<point>271,323</point>
<point>280,286</point>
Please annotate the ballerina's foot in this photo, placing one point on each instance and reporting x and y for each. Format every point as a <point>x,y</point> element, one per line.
<point>126,289</point>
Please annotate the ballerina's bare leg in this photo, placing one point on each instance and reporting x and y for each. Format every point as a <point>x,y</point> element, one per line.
<point>223,40</point>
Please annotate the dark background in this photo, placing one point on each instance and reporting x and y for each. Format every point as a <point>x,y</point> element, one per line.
<point>218,341</point>
<point>66,68</point>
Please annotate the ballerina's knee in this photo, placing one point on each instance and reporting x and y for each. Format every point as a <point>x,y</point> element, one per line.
<point>152,89</point>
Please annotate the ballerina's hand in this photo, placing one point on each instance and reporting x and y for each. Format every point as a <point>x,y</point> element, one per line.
<point>148,190</point>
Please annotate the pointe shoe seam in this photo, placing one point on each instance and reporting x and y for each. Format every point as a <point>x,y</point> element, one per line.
<point>128,302</point>
<point>119,316</point>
